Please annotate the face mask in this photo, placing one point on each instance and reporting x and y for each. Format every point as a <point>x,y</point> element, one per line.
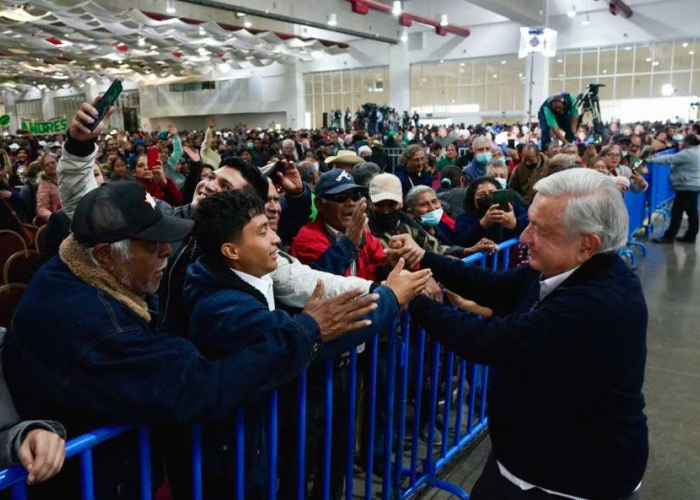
<point>387,222</point>
<point>432,219</point>
<point>624,154</point>
<point>483,205</point>
<point>678,137</point>
<point>500,162</point>
<point>250,145</point>
<point>483,158</point>
<point>502,182</point>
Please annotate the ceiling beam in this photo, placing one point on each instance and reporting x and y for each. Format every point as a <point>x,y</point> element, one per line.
<point>522,12</point>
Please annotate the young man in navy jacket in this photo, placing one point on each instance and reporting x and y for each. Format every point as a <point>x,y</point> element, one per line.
<point>231,296</point>
<point>567,347</point>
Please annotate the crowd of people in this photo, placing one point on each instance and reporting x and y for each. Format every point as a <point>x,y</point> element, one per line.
<point>303,243</point>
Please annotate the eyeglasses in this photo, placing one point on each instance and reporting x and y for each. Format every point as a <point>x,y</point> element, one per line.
<point>343,197</point>
<point>613,155</point>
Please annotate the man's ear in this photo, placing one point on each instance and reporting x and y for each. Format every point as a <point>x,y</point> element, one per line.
<point>588,246</point>
<point>103,254</point>
<point>230,251</point>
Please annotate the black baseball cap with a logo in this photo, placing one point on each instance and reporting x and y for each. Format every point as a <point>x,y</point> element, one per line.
<point>123,210</point>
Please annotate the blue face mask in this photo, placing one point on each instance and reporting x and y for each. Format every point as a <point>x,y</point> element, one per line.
<point>501,182</point>
<point>484,158</point>
<point>432,219</point>
<point>624,154</point>
<point>251,145</point>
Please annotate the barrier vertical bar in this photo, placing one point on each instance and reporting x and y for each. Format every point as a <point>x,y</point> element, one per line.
<point>350,441</point>
<point>328,432</point>
<point>506,257</point>
<point>19,491</point>
<point>418,398</point>
<point>371,412</point>
<point>145,462</point>
<point>403,395</point>
<point>429,464</point>
<point>389,429</point>
<point>472,398</point>
<point>272,426</point>
<point>240,455</point>
<point>460,400</point>
<point>87,486</point>
<point>301,451</point>
<point>494,261</point>
<point>197,462</point>
<point>448,402</point>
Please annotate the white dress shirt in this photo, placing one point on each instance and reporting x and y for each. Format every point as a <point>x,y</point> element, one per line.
<point>550,284</point>
<point>263,285</point>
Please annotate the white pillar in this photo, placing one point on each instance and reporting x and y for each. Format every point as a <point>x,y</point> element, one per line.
<point>294,96</point>
<point>536,83</point>
<point>399,78</point>
<point>47,108</point>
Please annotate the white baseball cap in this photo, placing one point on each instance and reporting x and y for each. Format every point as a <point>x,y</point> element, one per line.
<point>385,187</point>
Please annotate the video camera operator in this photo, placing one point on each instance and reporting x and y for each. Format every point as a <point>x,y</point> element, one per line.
<point>560,117</point>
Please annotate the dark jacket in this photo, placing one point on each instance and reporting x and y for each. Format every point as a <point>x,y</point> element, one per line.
<point>473,171</point>
<point>410,179</point>
<point>228,315</point>
<point>87,359</point>
<point>577,356</point>
<point>468,231</point>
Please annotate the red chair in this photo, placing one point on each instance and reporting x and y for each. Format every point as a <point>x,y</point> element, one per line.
<point>39,238</point>
<point>21,266</point>
<point>9,300</point>
<point>10,244</point>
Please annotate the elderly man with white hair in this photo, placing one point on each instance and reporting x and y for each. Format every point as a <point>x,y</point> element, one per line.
<point>482,148</point>
<point>567,338</point>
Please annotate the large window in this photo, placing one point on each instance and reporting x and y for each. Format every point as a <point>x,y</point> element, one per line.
<point>30,110</point>
<point>332,90</point>
<point>68,105</point>
<point>630,70</point>
<point>490,86</point>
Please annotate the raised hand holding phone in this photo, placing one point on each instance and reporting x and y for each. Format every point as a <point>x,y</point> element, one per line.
<point>86,116</point>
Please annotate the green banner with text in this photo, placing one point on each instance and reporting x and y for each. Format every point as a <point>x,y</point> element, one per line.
<point>55,126</point>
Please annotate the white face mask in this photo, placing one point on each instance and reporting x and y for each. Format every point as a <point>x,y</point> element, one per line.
<point>502,182</point>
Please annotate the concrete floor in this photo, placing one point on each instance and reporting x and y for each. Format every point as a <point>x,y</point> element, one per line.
<point>671,281</point>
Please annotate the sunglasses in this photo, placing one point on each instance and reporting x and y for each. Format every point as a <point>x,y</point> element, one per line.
<point>343,197</point>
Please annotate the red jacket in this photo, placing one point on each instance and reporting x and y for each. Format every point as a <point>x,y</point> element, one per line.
<point>314,239</point>
<point>168,193</point>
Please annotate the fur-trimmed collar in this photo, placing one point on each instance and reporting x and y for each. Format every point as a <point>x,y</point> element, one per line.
<point>82,266</point>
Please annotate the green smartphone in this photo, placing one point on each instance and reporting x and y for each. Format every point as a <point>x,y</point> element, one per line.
<point>108,100</point>
<point>501,197</point>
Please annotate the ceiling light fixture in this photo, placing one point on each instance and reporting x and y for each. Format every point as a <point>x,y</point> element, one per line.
<point>246,22</point>
<point>170,6</point>
<point>572,11</point>
<point>667,89</point>
<point>142,41</point>
<point>629,47</point>
<point>396,10</point>
<point>504,61</point>
<point>685,45</point>
<point>332,20</point>
<point>201,31</point>
<point>404,35</point>
<point>691,52</point>
<point>443,20</point>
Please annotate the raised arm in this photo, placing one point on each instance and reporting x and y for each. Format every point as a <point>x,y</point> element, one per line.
<point>75,168</point>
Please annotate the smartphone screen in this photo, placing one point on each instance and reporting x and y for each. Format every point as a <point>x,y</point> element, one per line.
<point>501,197</point>
<point>152,154</point>
<point>511,143</point>
<point>108,100</point>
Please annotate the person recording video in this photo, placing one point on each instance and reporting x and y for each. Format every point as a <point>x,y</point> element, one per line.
<point>559,117</point>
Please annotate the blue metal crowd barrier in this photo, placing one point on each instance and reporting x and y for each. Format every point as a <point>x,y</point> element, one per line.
<point>412,362</point>
<point>642,206</point>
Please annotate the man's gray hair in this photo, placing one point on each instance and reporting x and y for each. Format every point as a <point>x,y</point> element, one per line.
<point>364,172</point>
<point>289,142</point>
<point>482,139</point>
<point>594,205</point>
<point>413,195</point>
<point>562,161</point>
